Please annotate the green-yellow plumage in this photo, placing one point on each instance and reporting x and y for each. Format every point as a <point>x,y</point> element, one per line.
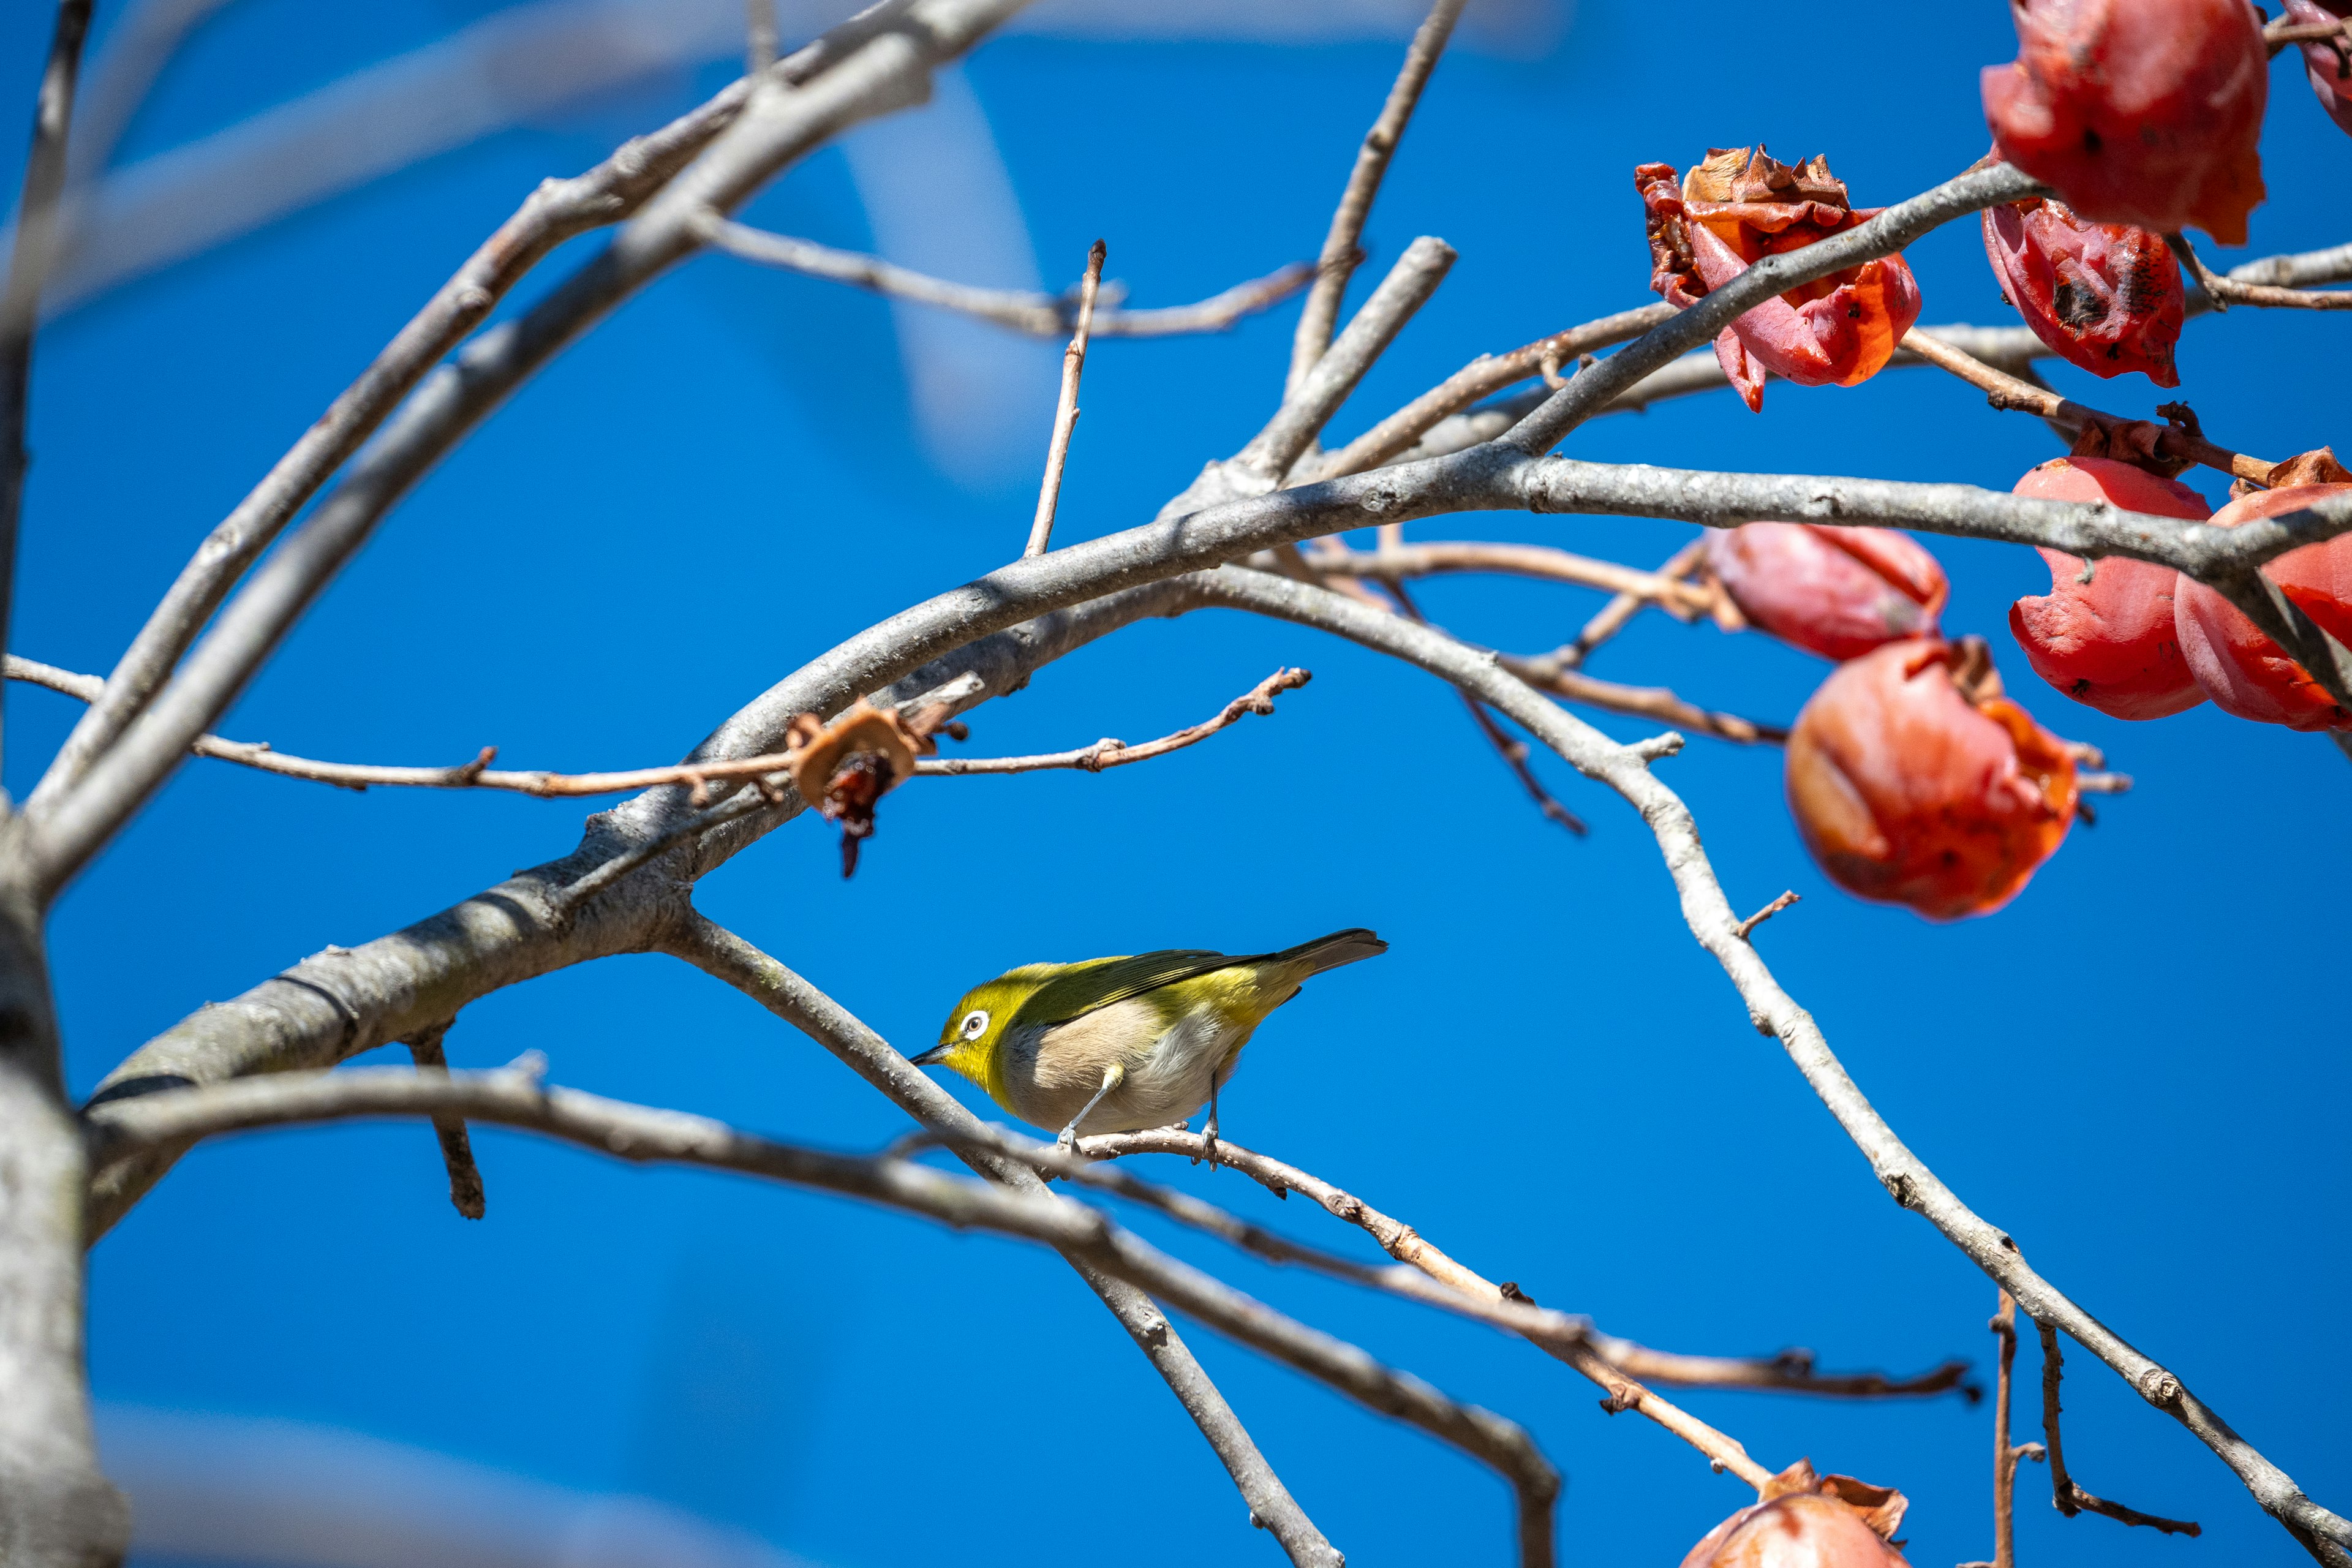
<point>1116,1044</point>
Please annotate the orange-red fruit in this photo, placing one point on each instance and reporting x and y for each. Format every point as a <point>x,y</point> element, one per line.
<point>1738,206</point>
<point>2327,61</point>
<point>1836,592</point>
<point>1911,790</point>
<point>2139,111</point>
<point>2109,643</point>
<point>2105,296</point>
<point>1797,1529</point>
<point>2243,670</point>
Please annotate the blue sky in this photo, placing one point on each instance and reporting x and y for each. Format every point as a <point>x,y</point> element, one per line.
<point>2136,1069</point>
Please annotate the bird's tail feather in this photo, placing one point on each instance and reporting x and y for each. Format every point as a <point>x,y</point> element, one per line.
<point>1331,951</point>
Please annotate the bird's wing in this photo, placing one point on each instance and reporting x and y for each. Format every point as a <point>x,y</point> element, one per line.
<point>1083,987</point>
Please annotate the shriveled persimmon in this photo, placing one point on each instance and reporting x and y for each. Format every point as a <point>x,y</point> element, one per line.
<point>2326,62</point>
<point>1734,208</point>
<point>2109,642</point>
<point>1836,592</point>
<point>2105,296</point>
<point>1915,782</point>
<point>2139,111</point>
<point>1807,1521</point>
<point>2240,669</point>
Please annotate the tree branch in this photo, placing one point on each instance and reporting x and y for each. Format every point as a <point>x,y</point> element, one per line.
<point>466,1194</point>
<point>1109,753</point>
<point>1023,311</point>
<point>1066,406</point>
<point>1625,769</point>
<point>1341,252</point>
<point>516,1099</point>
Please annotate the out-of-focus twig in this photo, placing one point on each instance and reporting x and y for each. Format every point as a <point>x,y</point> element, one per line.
<point>2065,1493</point>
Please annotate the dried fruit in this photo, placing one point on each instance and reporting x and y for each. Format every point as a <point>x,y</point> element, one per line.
<point>2240,669</point>
<point>1836,592</point>
<point>2109,642</point>
<point>844,768</point>
<point>2139,111</point>
<point>2327,61</point>
<point>1805,1521</point>
<point>2107,296</point>
<point>1914,781</point>
<point>1734,208</point>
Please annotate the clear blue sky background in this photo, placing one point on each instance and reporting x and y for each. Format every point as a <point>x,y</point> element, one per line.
<point>2138,1068</point>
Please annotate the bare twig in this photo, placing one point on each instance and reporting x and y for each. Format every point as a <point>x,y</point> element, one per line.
<point>2005,391</point>
<point>1481,377</point>
<point>1747,926</point>
<point>1066,406</point>
<point>1513,751</point>
<point>1341,252</point>
<point>457,1149</point>
<point>2281,32</point>
<point>516,1099</point>
<point>1407,1245</point>
<point>2066,1495</point>
<point>2004,1454</point>
<point>1023,311</point>
<point>1404,560</point>
<point>1643,702</point>
<point>28,269</point>
<point>2226,291</point>
<point>1110,753</point>
<point>760,35</point>
<point>1327,381</point>
<point>1791,1371</point>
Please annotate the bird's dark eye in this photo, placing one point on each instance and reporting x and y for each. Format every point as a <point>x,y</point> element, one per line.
<point>976,1024</point>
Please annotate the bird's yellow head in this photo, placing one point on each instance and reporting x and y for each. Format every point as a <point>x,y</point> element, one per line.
<point>970,1039</point>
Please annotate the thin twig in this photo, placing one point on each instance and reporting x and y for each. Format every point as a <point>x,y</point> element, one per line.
<point>1022,310</point>
<point>1444,557</point>
<point>1405,1244</point>
<point>1109,753</point>
<point>1066,406</point>
<point>1513,752</point>
<point>2278,35</point>
<point>1643,702</point>
<point>1745,926</point>
<point>2005,391</point>
<point>1342,253</point>
<point>2004,1454</point>
<point>1791,1371</point>
<point>28,270</point>
<point>2066,1494</point>
<point>456,1148</point>
<point>760,35</point>
<point>1614,616</point>
<point>2226,291</point>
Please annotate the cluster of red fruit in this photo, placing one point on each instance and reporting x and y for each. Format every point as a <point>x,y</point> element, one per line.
<point>1913,779</point>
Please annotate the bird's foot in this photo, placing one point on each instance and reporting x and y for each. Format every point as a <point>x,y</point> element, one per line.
<point>1067,1143</point>
<point>1208,1144</point>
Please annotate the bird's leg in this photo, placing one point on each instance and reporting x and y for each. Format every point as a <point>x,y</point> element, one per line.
<point>1208,1128</point>
<point>1113,1076</point>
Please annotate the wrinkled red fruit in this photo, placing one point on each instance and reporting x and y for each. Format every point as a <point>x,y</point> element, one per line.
<point>2109,643</point>
<point>1834,1521</point>
<point>2328,61</point>
<point>2139,111</point>
<point>2243,670</point>
<point>2107,296</point>
<point>1913,780</point>
<point>1734,208</point>
<point>1836,592</point>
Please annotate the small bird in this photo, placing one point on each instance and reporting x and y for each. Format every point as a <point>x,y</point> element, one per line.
<point>1116,1045</point>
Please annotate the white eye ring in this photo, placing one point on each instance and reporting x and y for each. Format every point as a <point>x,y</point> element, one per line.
<point>974,1025</point>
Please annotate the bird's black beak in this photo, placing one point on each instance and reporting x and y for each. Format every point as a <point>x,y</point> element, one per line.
<point>931,1057</point>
